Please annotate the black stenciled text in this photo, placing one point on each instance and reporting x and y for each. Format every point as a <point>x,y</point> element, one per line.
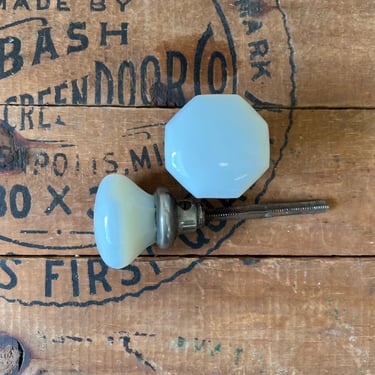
<point>13,59</point>
<point>61,5</point>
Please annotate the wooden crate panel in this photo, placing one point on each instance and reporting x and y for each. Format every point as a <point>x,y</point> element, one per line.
<point>107,53</point>
<point>237,316</point>
<point>86,88</point>
<point>47,208</point>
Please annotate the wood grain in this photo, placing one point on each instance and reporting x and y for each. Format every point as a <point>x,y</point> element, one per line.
<point>238,316</point>
<point>86,89</point>
<point>328,49</point>
<point>319,153</point>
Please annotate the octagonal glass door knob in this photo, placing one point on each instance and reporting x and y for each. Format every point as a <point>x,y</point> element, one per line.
<point>217,146</point>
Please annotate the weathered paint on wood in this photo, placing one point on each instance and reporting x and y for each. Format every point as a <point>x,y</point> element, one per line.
<point>69,71</point>
<point>262,49</point>
<point>237,316</point>
<point>319,153</point>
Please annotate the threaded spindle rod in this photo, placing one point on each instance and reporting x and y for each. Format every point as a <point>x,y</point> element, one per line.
<point>259,211</point>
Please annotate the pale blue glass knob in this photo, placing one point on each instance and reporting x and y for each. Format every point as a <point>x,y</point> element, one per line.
<point>127,219</point>
<point>217,146</point>
<point>124,220</point>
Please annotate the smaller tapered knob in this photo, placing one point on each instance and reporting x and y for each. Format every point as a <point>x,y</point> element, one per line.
<point>124,220</point>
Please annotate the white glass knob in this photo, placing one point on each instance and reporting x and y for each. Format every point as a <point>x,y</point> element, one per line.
<point>127,220</point>
<point>217,146</point>
<point>124,220</point>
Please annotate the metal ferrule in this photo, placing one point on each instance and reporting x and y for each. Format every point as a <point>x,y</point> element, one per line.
<point>173,218</point>
<point>166,218</point>
<point>190,216</point>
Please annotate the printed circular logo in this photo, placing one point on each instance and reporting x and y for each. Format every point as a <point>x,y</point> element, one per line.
<point>76,120</point>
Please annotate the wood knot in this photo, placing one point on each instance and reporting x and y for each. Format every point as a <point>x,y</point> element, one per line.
<point>13,357</point>
<point>13,150</point>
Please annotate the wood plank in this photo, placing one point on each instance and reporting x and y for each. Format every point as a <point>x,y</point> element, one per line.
<point>244,316</point>
<point>328,154</point>
<point>333,46</point>
<point>275,52</point>
<point>69,71</point>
